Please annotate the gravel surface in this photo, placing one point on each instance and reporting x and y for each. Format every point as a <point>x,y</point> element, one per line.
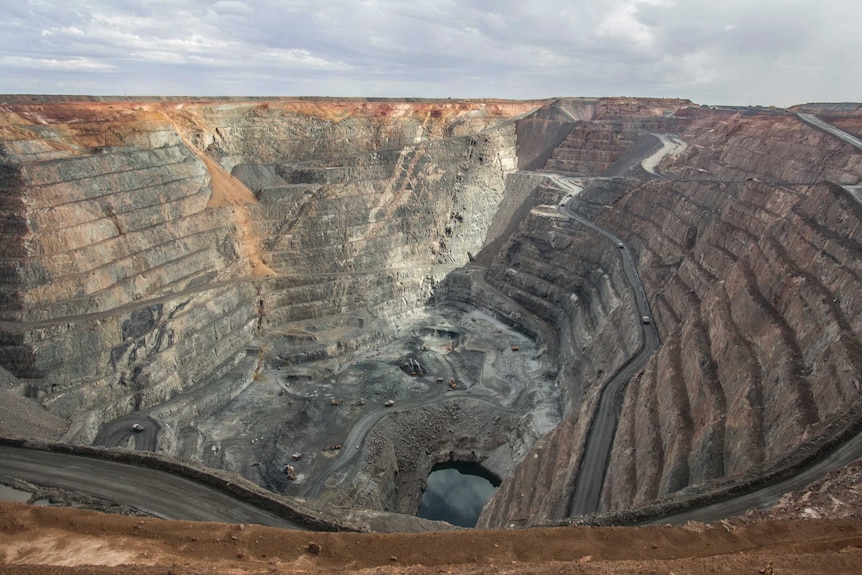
<point>21,417</point>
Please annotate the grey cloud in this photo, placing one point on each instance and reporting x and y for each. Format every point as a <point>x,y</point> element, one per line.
<point>736,51</point>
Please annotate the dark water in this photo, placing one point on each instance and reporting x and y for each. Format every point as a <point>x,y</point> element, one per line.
<point>456,493</point>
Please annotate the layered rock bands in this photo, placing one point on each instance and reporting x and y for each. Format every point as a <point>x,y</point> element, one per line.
<point>158,255</point>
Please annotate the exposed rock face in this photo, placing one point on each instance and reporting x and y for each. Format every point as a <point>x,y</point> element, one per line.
<point>753,282</point>
<point>162,256</point>
<point>136,265</point>
<point>751,262</point>
<point>393,469</point>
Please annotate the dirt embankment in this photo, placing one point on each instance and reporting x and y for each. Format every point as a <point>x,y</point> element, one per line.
<point>36,540</point>
<point>817,530</point>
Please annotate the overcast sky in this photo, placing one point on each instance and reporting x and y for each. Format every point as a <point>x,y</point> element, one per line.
<point>779,52</point>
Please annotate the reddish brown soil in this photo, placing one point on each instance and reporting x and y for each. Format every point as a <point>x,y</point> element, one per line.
<point>39,540</point>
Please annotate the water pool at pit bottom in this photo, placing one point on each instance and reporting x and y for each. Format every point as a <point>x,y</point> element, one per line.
<point>456,491</point>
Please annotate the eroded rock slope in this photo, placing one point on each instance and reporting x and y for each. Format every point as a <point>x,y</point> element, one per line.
<point>748,247</point>
<point>136,267</point>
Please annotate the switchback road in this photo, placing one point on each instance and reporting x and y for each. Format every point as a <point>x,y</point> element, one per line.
<point>351,449</point>
<point>670,146</point>
<point>118,431</point>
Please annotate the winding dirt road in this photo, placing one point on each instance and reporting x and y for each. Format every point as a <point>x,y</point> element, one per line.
<point>588,489</point>
<point>734,503</point>
<point>766,497</point>
<point>158,493</point>
<point>813,120</point>
<point>670,146</point>
<point>116,432</point>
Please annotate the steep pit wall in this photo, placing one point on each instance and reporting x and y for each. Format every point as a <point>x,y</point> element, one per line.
<point>750,260</point>
<point>135,267</point>
<point>572,279</point>
<point>568,276</point>
<point>758,361</point>
<point>541,132</point>
<point>751,282</point>
<point>368,236</point>
<point>276,131</point>
<point>125,287</point>
<point>595,143</point>
<point>519,199</point>
<point>772,146</point>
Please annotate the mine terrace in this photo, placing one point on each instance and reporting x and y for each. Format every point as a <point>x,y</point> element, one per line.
<point>615,306</point>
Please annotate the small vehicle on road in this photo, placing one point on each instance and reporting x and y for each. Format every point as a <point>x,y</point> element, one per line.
<point>646,319</point>
<point>137,427</point>
<point>389,403</point>
<point>621,245</point>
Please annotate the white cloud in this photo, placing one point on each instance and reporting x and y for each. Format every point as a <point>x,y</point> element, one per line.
<point>621,24</point>
<point>736,51</point>
<point>72,64</point>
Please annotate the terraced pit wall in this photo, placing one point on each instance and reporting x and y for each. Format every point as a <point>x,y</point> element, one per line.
<point>748,246</point>
<point>135,267</point>
<point>149,248</point>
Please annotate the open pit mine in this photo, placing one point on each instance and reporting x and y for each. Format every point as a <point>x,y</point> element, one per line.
<point>617,307</point>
